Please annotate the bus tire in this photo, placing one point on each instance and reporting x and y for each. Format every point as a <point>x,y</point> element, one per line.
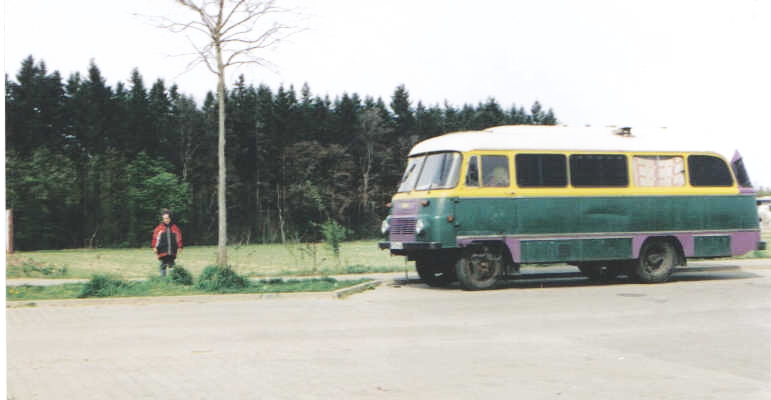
<point>656,262</point>
<point>433,273</point>
<point>600,272</point>
<point>478,268</point>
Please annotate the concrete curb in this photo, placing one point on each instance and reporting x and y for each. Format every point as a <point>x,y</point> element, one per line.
<point>345,292</point>
<point>200,298</point>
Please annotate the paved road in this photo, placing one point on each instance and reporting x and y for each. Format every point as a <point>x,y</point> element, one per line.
<point>705,335</point>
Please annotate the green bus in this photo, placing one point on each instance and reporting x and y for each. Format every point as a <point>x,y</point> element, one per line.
<point>474,206</point>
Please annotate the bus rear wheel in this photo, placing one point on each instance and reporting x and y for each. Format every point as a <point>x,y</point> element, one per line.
<point>435,272</point>
<point>656,262</point>
<point>479,268</point>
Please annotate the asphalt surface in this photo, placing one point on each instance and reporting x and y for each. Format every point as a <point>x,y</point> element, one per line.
<point>706,335</point>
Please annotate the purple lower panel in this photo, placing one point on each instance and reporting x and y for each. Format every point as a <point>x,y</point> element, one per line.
<point>686,240</point>
<point>515,249</point>
<point>744,242</point>
<point>741,242</point>
<point>464,242</point>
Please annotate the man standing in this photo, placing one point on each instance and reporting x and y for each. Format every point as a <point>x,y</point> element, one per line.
<point>167,241</point>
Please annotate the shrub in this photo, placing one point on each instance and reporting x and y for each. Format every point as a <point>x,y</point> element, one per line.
<point>102,286</point>
<point>221,279</point>
<point>334,234</point>
<point>181,276</point>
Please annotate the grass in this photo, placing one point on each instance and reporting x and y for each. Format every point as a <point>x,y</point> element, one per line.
<point>124,272</point>
<point>269,260</point>
<point>27,292</point>
<point>128,265</point>
<point>26,269</point>
<point>105,286</point>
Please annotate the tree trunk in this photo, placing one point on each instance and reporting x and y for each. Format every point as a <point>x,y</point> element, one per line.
<point>222,251</point>
<point>365,177</point>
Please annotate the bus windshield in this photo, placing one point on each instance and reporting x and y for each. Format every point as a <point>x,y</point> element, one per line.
<point>432,171</point>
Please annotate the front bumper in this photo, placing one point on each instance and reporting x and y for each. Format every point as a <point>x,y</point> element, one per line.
<point>403,248</point>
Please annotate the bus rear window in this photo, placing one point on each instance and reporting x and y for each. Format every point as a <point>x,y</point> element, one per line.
<point>741,173</point>
<point>433,171</point>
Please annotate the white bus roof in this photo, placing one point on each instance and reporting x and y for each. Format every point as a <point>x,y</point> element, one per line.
<point>566,138</point>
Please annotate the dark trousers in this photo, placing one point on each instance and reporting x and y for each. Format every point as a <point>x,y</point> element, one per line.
<point>167,261</point>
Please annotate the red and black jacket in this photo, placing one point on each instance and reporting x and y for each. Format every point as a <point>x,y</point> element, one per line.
<point>167,239</point>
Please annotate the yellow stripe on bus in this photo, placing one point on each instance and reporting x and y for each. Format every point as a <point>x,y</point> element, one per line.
<point>514,192</point>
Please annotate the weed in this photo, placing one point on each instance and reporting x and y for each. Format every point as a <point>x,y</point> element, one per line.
<point>334,234</point>
<point>29,268</point>
<point>221,279</point>
<point>181,276</point>
<point>312,250</point>
<point>102,286</point>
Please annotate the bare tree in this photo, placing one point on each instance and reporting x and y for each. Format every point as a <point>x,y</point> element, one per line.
<point>230,33</point>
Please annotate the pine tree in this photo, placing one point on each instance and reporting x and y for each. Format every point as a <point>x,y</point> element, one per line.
<point>536,113</point>
<point>549,118</point>
<point>34,108</point>
<point>69,147</point>
<point>403,114</point>
<point>139,123</point>
<point>160,144</point>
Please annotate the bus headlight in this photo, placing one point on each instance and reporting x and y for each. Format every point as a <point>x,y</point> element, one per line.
<point>385,227</point>
<point>420,227</point>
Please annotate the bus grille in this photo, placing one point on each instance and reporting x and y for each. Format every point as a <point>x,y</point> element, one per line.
<point>402,229</point>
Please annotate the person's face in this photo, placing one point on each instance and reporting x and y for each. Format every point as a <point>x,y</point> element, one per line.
<point>166,219</point>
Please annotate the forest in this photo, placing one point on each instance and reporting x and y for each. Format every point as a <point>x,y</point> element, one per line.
<point>90,165</point>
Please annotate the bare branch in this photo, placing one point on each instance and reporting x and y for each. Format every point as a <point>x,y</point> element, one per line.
<point>253,14</point>
<point>206,19</point>
<point>243,36</point>
<point>235,8</point>
<point>203,57</point>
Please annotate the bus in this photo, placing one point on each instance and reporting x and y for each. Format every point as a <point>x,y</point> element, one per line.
<point>473,206</point>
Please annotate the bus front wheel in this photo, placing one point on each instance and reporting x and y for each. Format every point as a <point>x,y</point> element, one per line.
<point>656,262</point>
<point>434,272</point>
<point>479,268</point>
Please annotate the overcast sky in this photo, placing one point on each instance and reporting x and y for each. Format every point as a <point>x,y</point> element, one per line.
<point>702,65</point>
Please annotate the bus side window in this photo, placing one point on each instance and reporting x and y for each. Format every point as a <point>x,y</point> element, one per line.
<point>541,170</point>
<point>472,174</point>
<point>495,171</point>
<point>708,171</point>
<point>598,170</point>
<point>658,171</point>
